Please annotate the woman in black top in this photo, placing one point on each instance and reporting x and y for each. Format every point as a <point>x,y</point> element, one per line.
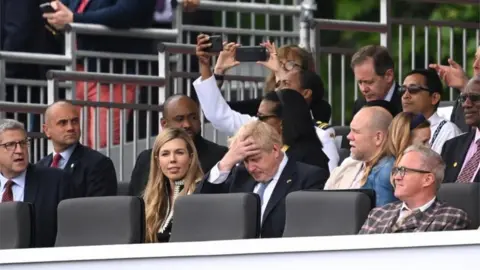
<point>174,171</point>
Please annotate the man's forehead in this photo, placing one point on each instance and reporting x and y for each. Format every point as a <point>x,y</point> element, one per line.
<point>415,78</point>
<point>182,106</point>
<point>474,89</point>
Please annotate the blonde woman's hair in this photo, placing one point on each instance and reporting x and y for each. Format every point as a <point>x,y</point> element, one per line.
<point>291,53</point>
<point>264,135</point>
<point>154,196</point>
<point>401,135</point>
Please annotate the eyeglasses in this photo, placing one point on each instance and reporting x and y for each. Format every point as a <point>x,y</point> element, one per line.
<point>11,146</point>
<point>412,89</point>
<point>403,170</point>
<point>264,117</point>
<point>472,97</point>
<point>290,65</point>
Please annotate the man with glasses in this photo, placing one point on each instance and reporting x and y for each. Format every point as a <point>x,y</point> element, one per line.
<point>416,178</point>
<point>421,94</point>
<point>461,154</point>
<point>24,182</point>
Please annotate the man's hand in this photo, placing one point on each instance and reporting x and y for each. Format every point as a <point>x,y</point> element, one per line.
<point>453,75</point>
<point>203,42</point>
<point>240,149</point>
<point>61,17</point>
<point>272,63</point>
<point>226,59</point>
<point>190,5</point>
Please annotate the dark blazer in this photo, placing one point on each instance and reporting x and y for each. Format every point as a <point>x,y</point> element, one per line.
<point>115,14</point>
<point>91,173</point>
<point>209,154</point>
<point>454,152</point>
<point>438,217</point>
<point>45,188</point>
<point>295,176</point>
<point>396,102</point>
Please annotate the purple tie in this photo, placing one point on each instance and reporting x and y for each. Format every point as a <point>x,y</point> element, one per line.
<point>160,7</point>
<point>470,168</point>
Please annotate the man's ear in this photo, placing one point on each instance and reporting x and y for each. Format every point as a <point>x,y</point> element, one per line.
<point>379,138</point>
<point>429,180</point>
<point>163,122</point>
<point>45,130</point>
<point>436,98</point>
<point>307,94</point>
<point>389,76</point>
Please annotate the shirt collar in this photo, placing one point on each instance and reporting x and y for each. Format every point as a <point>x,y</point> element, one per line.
<point>477,135</point>
<point>422,208</point>
<point>67,153</point>
<point>282,165</point>
<point>389,95</point>
<point>19,180</point>
<point>435,119</point>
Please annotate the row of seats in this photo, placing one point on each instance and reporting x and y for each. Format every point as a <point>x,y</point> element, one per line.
<point>121,219</point>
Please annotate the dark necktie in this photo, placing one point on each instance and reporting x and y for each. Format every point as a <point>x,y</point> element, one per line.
<point>160,7</point>
<point>56,159</point>
<point>470,168</point>
<point>8,193</point>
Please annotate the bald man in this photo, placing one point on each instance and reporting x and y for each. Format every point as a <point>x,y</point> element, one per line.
<point>368,135</point>
<point>92,174</point>
<point>179,111</point>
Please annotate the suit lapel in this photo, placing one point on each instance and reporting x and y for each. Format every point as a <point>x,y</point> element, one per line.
<point>47,162</point>
<point>390,218</point>
<point>461,153</point>
<point>74,159</point>
<point>31,185</point>
<point>427,217</point>
<point>281,188</point>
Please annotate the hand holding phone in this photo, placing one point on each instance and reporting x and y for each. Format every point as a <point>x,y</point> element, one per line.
<point>251,54</point>
<point>217,44</point>
<point>47,8</point>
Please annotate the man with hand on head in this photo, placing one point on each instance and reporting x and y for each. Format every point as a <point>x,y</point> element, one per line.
<point>264,170</point>
<point>92,174</point>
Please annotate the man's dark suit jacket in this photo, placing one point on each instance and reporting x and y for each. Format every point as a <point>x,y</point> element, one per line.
<point>453,153</point>
<point>116,14</point>
<point>209,154</point>
<point>396,102</point>
<point>91,173</point>
<point>45,188</point>
<point>295,176</point>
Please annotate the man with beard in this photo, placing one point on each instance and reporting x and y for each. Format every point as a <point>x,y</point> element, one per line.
<point>179,111</point>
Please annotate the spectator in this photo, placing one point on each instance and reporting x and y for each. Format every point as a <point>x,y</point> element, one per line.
<point>91,173</point>
<point>421,93</point>
<point>115,14</point>
<point>265,170</point>
<point>175,172</point>
<point>417,178</point>
<point>374,71</point>
<point>461,154</point>
<point>370,163</point>
<point>24,182</point>
<point>179,111</point>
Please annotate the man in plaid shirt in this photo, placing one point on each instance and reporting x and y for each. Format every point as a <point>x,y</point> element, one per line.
<point>417,178</point>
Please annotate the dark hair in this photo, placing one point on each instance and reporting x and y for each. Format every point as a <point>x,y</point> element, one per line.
<point>297,123</point>
<point>320,109</point>
<point>387,105</point>
<point>273,97</point>
<point>382,61</point>
<point>433,82</point>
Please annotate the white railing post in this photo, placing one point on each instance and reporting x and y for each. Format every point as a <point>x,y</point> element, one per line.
<point>306,20</point>
<point>3,85</point>
<point>385,13</point>
<point>52,88</point>
<point>70,51</point>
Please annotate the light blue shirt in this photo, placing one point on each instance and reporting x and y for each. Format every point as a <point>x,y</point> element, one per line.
<point>65,156</point>
<point>18,188</point>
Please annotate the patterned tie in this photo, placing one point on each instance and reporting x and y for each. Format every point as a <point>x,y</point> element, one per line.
<point>470,168</point>
<point>56,160</point>
<point>8,194</point>
<point>261,190</point>
<point>160,7</point>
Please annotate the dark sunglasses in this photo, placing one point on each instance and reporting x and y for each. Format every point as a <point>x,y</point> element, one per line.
<point>412,89</point>
<point>473,97</point>
<point>264,118</point>
<point>403,170</point>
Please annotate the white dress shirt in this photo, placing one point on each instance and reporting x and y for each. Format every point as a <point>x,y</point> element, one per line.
<point>218,177</point>
<point>18,189</point>
<point>405,210</point>
<point>448,131</point>
<point>389,95</point>
<point>65,156</point>
<point>226,120</point>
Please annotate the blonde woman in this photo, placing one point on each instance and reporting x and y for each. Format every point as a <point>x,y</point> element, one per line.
<point>407,129</point>
<point>175,171</point>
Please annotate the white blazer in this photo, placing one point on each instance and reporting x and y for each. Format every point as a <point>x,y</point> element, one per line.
<point>226,120</point>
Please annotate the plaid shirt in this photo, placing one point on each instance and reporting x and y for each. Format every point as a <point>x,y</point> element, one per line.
<point>438,217</point>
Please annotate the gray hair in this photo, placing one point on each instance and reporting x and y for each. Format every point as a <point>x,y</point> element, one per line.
<point>471,83</point>
<point>431,161</point>
<point>10,124</point>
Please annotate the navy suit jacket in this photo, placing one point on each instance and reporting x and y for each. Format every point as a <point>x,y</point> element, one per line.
<point>91,173</point>
<point>294,177</point>
<point>45,188</point>
<point>454,152</point>
<point>114,14</point>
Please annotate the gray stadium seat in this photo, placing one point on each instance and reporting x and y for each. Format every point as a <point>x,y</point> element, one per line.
<point>341,133</point>
<point>323,213</point>
<point>101,221</point>
<point>343,153</point>
<point>16,225</point>
<point>463,196</point>
<point>205,217</point>
<point>122,188</point>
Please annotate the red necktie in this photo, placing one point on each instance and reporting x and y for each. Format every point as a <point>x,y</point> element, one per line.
<point>8,194</point>
<point>82,6</point>
<point>55,161</point>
